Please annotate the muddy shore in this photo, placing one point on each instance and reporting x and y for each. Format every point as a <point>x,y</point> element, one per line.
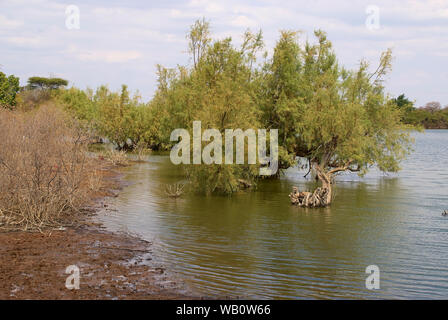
<point>111,265</point>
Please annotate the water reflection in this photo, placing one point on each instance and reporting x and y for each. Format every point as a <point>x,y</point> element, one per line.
<point>256,245</point>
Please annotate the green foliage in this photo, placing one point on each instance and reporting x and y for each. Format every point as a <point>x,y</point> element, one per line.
<point>217,90</point>
<point>404,103</point>
<point>46,83</point>
<point>125,121</point>
<point>338,119</point>
<point>430,116</point>
<point>119,117</point>
<point>421,117</point>
<point>9,86</point>
<point>79,103</point>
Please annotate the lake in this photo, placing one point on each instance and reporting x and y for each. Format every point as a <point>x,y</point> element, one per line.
<point>257,245</point>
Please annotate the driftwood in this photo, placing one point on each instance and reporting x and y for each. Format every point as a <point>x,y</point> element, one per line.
<point>318,198</point>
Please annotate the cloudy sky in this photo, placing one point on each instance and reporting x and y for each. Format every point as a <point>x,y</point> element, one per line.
<point>122,41</point>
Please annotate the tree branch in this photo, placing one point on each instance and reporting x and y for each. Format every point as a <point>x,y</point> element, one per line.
<point>339,169</point>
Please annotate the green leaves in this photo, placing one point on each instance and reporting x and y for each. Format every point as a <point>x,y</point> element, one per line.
<point>338,119</point>
<point>330,115</point>
<point>9,86</point>
<point>46,83</point>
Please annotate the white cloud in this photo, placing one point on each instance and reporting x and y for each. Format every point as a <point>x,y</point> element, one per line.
<point>9,23</point>
<point>112,56</point>
<point>418,9</point>
<point>207,5</point>
<point>243,21</point>
<point>137,37</point>
<point>25,41</point>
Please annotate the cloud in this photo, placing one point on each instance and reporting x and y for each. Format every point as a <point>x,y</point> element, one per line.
<point>207,5</point>
<point>112,56</point>
<point>9,23</point>
<point>25,41</point>
<point>136,36</point>
<point>243,21</point>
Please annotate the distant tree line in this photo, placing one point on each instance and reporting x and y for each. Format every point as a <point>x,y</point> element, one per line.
<point>430,116</point>
<point>37,90</point>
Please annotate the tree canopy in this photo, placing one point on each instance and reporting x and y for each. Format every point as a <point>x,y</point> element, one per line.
<point>216,90</point>
<point>338,119</point>
<point>46,83</point>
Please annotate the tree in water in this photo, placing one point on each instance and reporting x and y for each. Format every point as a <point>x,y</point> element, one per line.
<point>337,119</point>
<point>218,91</point>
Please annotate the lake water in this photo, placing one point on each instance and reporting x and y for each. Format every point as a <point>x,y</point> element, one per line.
<point>257,245</point>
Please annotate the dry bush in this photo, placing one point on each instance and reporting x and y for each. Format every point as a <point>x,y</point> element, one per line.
<point>141,150</point>
<point>45,173</point>
<point>30,99</point>
<point>116,158</point>
<point>174,190</point>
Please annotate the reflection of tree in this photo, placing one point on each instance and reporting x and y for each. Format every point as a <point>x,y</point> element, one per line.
<point>257,244</point>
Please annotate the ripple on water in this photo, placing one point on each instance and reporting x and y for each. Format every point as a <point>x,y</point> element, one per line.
<point>256,245</point>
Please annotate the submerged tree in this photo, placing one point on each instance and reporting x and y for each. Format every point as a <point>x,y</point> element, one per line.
<point>216,90</point>
<point>338,119</point>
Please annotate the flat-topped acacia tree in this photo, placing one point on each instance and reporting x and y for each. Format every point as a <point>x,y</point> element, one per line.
<point>338,119</point>
<point>46,83</point>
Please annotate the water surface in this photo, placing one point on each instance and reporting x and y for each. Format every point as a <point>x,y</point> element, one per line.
<point>256,245</point>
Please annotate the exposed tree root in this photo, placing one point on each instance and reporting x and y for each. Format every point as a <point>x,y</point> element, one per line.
<point>318,198</point>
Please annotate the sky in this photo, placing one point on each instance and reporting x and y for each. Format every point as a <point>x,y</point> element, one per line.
<point>121,42</point>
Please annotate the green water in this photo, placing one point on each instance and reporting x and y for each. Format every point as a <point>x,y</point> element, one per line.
<point>256,245</point>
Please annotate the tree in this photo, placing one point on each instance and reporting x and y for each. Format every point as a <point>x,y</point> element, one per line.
<point>46,83</point>
<point>123,119</point>
<point>9,86</point>
<point>404,103</point>
<point>337,119</point>
<point>80,104</point>
<point>432,106</point>
<point>198,39</point>
<point>217,90</point>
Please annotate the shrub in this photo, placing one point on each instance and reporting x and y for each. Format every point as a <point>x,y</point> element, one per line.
<point>9,86</point>
<point>116,158</point>
<point>44,169</point>
<point>28,100</point>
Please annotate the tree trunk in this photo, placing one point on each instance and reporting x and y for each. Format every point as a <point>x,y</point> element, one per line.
<point>321,197</point>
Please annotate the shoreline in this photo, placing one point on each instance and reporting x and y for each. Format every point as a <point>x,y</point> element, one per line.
<point>111,264</point>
